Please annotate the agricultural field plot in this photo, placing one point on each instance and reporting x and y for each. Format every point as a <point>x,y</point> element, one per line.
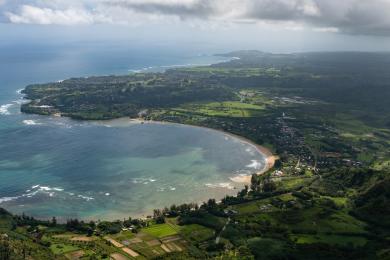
<point>223,109</point>
<point>290,183</point>
<point>60,248</point>
<point>253,207</point>
<point>160,230</point>
<point>147,251</point>
<point>80,254</point>
<point>118,256</point>
<point>123,236</point>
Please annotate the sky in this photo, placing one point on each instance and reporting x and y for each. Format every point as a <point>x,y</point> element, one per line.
<point>268,25</point>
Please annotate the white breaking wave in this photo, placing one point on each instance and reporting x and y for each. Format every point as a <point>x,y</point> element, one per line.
<point>50,191</point>
<point>166,188</point>
<point>21,101</point>
<point>223,185</point>
<point>142,180</point>
<point>255,165</point>
<point>250,151</point>
<point>46,188</point>
<point>85,197</point>
<point>5,199</point>
<point>30,122</point>
<point>43,106</point>
<point>4,109</point>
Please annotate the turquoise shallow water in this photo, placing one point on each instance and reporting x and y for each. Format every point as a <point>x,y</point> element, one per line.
<point>104,170</point>
<point>64,168</point>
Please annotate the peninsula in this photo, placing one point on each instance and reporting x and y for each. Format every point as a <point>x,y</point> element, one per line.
<point>326,116</point>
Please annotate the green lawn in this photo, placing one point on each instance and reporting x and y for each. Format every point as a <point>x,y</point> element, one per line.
<point>60,249</point>
<point>293,182</point>
<point>247,208</point>
<point>225,109</point>
<point>160,230</point>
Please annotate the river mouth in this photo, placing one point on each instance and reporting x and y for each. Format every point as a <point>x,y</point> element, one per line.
<point>115,169</point>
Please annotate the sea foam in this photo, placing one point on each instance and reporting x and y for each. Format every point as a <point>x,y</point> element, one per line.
<point>4,109</point>
<point>47,190</point>
<point>142,180</point>
<point>5,199</point>
<point>255,165</point>
<point>223,185</point>
<point>30,122</point>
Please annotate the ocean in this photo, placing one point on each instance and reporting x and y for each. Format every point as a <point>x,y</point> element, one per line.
<point>52,166</point>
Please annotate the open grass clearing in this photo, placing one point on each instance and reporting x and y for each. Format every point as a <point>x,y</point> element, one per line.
<point>60,248</point>
<point>196,233</point>
<point>123,236</point>
<point>329,239</point>
<point>223,109</point>
<point>160,230</point>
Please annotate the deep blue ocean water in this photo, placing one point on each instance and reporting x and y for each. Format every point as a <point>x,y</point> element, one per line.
<point>95,170</point>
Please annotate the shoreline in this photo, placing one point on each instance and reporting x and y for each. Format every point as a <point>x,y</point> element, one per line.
<point>239,179</point>
<point>269,157</point>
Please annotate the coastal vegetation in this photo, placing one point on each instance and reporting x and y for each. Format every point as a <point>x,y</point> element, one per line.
<point>325,115</point>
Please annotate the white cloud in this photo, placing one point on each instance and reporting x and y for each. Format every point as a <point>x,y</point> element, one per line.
<point>35,15</point>
<point>346,16</point>
<point>326,29</point>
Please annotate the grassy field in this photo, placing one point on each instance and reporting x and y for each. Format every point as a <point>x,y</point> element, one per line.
<point>329,239</point>
<point>160,230</point>
<point>196,233</point>
<point>223,109</point>
<point>123,236</point>
<point>293,182</point>
<point>60,248</point>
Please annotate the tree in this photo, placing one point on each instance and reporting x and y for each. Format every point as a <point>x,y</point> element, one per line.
<point>243,192</point>
<point>254,182</point>
<point>160,220</point>
<point>54,221</point>
<point>278,164</point>
<point>269,186</point>
<point>5,250</point>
